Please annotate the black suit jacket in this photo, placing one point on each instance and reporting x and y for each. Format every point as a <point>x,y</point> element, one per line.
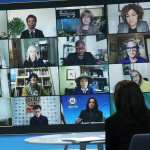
<point>119,130</point>
<point>91,116</point>
<point>38,122</point>
<point>37,34</point>
<point>72,59</point>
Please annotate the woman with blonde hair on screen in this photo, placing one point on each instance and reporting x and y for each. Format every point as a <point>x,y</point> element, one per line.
<point>33,59</point>
<point>137,78</point>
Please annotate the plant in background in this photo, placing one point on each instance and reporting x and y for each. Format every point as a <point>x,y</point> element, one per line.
<point>15,27</point>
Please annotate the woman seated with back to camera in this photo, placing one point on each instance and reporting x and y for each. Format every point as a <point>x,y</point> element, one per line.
<point>91,113</point>
<point>131,116</point>
<point>132,15</point>
<point>32,58</point>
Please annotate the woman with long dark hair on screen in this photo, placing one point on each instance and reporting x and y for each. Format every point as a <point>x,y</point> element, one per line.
<point>132,15</point>
<point>131,116</point>
<point>32,59</point>
<point>91,113</point>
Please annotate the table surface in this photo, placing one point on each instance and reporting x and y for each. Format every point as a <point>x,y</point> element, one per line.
<point>68,138</point>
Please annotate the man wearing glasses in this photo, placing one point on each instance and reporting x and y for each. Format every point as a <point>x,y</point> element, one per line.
<point>133,54</point>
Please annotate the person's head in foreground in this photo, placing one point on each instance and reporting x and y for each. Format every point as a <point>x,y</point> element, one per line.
<point>129,98</point>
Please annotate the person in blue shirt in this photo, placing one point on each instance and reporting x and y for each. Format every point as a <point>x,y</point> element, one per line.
<point>133,55</point>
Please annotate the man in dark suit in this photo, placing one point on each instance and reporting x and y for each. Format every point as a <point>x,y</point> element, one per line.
<point>80,57</point>
<point>32,32</point>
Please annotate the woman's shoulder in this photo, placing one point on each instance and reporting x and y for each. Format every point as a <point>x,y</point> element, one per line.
<point>123,27</point>
<point>142,22</point>
<point>142,26</point>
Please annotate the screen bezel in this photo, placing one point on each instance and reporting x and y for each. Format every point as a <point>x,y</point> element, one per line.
<point>66,127</point>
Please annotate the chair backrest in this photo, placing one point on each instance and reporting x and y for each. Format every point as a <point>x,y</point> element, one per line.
<point>140,142</point>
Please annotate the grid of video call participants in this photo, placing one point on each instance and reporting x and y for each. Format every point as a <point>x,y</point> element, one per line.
<point>60,65</point>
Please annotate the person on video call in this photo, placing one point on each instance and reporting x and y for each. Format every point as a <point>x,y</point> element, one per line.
<point>38,119</point>
<point>91,113</point>
<point>83,85</point>
<point>32,59</point>
<point>131,116</point>
<point>32,32</point>
<point>86,24</point>
<point>133,54</point>
<point>80,57</point>
<point>33,88</point>
<point>132,15</point>
<point>137,78</point>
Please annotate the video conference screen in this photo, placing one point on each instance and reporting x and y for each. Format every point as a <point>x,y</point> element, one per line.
<point>59,66</point>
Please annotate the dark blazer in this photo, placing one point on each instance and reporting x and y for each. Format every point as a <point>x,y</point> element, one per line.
<point>119,130</point>
<point>37,34</point>
<point>72,59</point>
<point>91,116</point>
<point>142,26</point>
<point>36,63</point>
<point>38,122</point>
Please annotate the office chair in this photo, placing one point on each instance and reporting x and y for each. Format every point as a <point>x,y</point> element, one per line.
<point>140,142</point>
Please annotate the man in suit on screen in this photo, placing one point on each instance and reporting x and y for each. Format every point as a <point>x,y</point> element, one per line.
<point>32,32</point>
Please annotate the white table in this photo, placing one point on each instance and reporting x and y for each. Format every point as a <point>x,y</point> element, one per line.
<point>81,138</point>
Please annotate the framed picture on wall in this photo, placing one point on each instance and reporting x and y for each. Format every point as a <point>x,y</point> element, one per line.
<point>70,74</point>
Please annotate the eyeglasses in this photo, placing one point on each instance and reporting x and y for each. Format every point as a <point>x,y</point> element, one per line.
<point>134,48</point>
<point>134,76</point>
<point>37,111</point>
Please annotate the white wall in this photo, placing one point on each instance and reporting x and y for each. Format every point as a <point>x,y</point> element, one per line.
<point>4,82</point>
<point>113,19</point>
<point>64,83</point>
<point>5,111</point>
<point>46,19</point>
<point>4,53</point>
<point>55,79</point>
<point>3,22</point>
<point>115,75</point>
